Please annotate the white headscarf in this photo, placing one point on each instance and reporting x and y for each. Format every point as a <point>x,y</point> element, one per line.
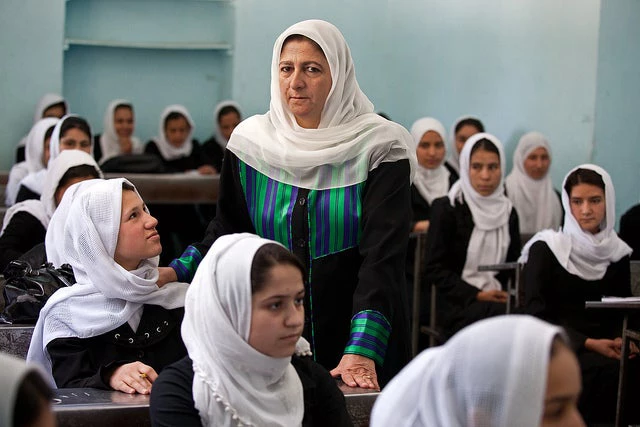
<point>490,374</point>
<point>431,183</point>
<point>109,141</point>
<point>34,148</point>
<point>13,371</point>
<point>170,152</point>
<point>105,295</point>
<point>234,384</point>
<point>490,237</point>
<point>536,202</point>
<point>43,209</point>
<point>350,141</point>
<point>579,252</point>
<point>454,157</point>
<point>220,139</point>
<point>47,101</point>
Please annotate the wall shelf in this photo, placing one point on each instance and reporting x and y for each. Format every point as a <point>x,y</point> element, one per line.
<point>148,45</point>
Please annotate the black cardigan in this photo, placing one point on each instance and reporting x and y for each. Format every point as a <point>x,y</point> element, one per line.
<point>23,232</point>
<point>193,161</point>
<point>214,151</point>
<point>89,362</point>
<point>172,398</point>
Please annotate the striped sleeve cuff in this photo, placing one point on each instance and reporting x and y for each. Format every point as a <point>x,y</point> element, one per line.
<point>370,332</point>
<point>186,265</point>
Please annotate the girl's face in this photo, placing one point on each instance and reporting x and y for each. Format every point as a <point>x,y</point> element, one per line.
<point>45,152</point>
<point>277,312</point>
<point>228,123</point>
<point>484,171</point>
<point>537,163</point>
<point>75,139</point>
<point>123,122</point>
<point>177,130</point>
<point>431,150</point>
<point>465,132</point>
<point>57,111</point>
<point>588,206</point>
<point>563,389</point>
<point>137,238</point>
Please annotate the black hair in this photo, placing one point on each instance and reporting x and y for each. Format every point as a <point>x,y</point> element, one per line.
<point>583,176</point>
<point>123,105</point>
<point>300,37</point>
<point>227,110</point>
<point>486,145</point>
<point>79,171</point>
<point>48,133</point>
<point>32,399</point>
<point>383,115</point>
<point>469,122</point>
<point>267,257</point>
<point>75,122</point>
<point>127,186</point>
<point>57,104</point>
<point>174,115</point>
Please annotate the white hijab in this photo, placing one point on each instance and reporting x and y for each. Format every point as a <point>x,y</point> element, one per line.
<point>34,149</point>
<point>47,101</point>
<point>454,158</point>
<point>220,139</point>
<point>13,371</point>
<point>430,183</point>
<point>490,237</point>
<point>350,141</point>
<point>170,152</point>
<point>109,142</point>
<point>492,373</point>
<point>43,209</point>
<point>536,202</point>
<point>234,384</point>
<point>105,295</point>
<point>579,252</point>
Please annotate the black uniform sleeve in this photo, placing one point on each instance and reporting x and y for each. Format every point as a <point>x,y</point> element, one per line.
<point>200,157</point>
<point>97,148</point>
<point>25,194</point>
<point>630,230</point>
<point>172,401</point>
<point>23,232</point>
<point>439,253</point>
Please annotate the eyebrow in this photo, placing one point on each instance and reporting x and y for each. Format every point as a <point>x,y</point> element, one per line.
<point>283,295</point>
<point>559,399</point>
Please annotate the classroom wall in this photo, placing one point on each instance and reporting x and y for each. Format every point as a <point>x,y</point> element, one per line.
<point>617,126</point>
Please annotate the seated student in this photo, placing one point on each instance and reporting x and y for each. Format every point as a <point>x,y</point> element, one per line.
<point>463,128</point>
<point>226,117</point>
<point>241,370</point>
<point>26,397</point>
<point>70,133</point>
<point>117,133</point>
<point>583,262</point>
<point>475,225</point>
<point>50,105</point>
<point>529,185</point>
<point>502,372</point>
<point>25,223</point>
<point>174,145</point>
<point>36,157</point>
<point>115,329</point>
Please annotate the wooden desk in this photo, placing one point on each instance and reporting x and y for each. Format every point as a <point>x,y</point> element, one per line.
<point>182,188</point>
<point>627,308</point>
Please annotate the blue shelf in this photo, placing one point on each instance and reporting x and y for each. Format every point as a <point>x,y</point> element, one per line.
<point>148,45</point>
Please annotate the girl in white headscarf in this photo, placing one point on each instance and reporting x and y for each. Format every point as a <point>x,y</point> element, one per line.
<point>474,225</point>
<point>25,223</point>
<point>241,372</point>
<point>117,132</point>
<point>115,328</point>
<point>529,185</point>
<point>463,128</point>
<point>226,116</point>
<point>36,157</point>
<point>501,372</point>
<point>70,133</point>
<point>583,262</point>
<point>327,177</point>
<point>50,105</point>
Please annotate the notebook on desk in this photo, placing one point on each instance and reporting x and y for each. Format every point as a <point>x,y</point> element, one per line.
<point>620,299</point>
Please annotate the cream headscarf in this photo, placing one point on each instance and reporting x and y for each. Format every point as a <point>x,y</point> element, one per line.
<point>579,252</point>
<point>169,151</point>
<point>234,384</point>
<point>536,202</point>
<point>490,237</point>
<point>220,139</point>
<point>13,371</point>
<point>109,142</point>
<point>350,141</point>
<point>105,295</point>
<point>454,157</point>
<point>490,374</point>
<point>431,183</point>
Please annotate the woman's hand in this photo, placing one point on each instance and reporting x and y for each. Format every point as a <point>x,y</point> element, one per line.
<point>207,170</point>
<point>421,226</point>
<point>357,371</point>
<point>607,348</point>
<point>166,275</point>
<point>492,296</point>
<point>135,377</point>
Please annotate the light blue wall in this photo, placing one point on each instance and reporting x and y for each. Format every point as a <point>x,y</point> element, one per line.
<point>617,126</point>
<point>31,33</point>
